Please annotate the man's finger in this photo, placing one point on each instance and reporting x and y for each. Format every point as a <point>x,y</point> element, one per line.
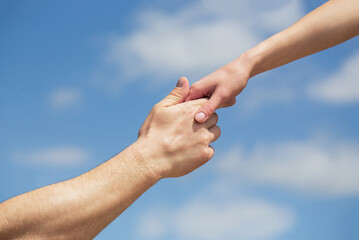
<point>211,121</point>
<point>215,132</point>
<point>207,110</point>
<point>178,94</point>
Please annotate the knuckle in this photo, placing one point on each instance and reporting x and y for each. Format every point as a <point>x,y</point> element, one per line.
<point>204,153</point>
<point>168,145</point>
<point>224,93</point>
<point>204,140</point>
<point>195,86</point>
<point>205,137</point>
<point>208,138</point>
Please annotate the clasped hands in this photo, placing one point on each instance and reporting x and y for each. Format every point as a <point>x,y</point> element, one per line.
<point>171,143</point>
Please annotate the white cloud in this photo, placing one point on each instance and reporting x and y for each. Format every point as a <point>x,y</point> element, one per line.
<point>234,220</point>
<point>152,225</point>
<point>168,44</point>
<point>206,218</point>
<point>53,156</point>
<point>280,18</point>
<point>341,86</point>
<point>196,39</point>
<point>61,99</point>
<point>266,16</point>
<point>322,168</point>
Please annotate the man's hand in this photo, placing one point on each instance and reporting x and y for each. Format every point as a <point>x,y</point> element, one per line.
<point>171,142</point>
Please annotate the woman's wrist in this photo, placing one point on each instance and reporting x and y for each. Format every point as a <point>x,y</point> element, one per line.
<point>248,63</point>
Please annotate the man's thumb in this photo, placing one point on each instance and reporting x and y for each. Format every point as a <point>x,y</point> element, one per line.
<point>207,110</point>
<point>178,94</point>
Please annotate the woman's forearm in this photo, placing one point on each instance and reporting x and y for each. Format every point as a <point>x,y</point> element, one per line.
<point>332,23</point>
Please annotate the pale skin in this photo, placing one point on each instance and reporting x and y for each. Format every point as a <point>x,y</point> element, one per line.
<point>170,144</point>
<point>332,23</point>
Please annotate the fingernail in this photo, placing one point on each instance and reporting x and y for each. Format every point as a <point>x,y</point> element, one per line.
<point>200,116</point>
<point>180,83</point>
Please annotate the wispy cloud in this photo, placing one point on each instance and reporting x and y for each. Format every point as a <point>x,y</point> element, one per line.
<point>327,168</point>
<point>196,39</point>
<point>341,86</point>
<point>65,98</point>
<point>58,156</point>
<point>279,15</point>
<point>216,218</point>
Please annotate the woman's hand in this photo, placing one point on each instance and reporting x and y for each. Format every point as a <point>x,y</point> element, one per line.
<point>221,87</point>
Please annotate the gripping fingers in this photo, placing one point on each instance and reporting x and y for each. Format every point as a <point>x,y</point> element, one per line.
<point>207,110</point>
<point>214,132</point>
<point>211,121</point>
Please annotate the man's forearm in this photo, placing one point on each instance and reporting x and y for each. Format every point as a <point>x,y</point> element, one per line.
<point>81,207</point>
<point>332,23</point>
<point>170,144</point>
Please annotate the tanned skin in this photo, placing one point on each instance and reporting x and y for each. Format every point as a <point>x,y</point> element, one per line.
<point>170,144</point>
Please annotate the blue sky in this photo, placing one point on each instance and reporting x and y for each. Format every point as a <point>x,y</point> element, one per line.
<point>77,79</point>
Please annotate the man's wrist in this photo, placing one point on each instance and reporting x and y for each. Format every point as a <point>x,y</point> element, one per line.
<point>144,157</point>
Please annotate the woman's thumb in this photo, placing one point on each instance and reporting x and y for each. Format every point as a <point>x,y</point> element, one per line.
<point>208,108</point>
